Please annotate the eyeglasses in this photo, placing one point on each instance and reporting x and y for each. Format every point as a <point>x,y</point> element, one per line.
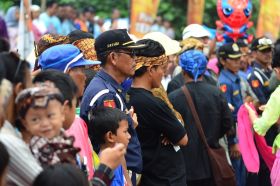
<point>131,54</point>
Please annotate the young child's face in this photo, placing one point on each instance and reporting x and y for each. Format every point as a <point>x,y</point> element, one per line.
<point>122,135</point>
<point>45,122</point>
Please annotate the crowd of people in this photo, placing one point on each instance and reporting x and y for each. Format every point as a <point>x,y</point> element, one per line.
<point>111,109</point>
<point>64,18</point>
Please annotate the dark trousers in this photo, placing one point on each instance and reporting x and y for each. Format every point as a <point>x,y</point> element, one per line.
<point>260,179</point>
<point>203,182</point>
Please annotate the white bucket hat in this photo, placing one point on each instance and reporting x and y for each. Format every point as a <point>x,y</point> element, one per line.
<point>195,30</point>
<point>170,46</point>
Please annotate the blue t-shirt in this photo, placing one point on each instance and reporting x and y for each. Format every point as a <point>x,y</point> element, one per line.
<point>119,177</point>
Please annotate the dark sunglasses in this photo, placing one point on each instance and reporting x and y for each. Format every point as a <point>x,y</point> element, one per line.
<point>131,54</point>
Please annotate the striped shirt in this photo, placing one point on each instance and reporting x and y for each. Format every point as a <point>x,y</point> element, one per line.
<point>23,167</point>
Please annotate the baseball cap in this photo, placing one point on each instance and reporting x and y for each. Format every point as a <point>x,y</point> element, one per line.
<point>115,39</point>
<point>195,30</point>
<point>229,50</point>
<point>170,46</point>
<point>63,57</point>
<point>261,44</point>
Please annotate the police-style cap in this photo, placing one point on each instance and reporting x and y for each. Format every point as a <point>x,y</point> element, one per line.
<point>242,42</point>
<point>261,44</point>
<point>229,50</point>
<point>115,39</point>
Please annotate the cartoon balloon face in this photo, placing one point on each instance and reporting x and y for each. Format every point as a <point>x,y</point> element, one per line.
<point>234,13</point>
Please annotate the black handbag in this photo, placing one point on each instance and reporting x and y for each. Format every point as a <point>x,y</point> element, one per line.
<point>222,172</point>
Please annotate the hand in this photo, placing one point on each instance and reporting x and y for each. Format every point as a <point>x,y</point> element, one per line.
<point>112,157</point>
<point>231,107</point>
<point>133,115</point>
<point>234,151</point>
<point>252,114</point>
<point>166,141</point>
<point>247,106</point>
<point>262,107</point>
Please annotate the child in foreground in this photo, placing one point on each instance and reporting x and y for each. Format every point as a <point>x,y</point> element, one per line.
<point>41,112</point>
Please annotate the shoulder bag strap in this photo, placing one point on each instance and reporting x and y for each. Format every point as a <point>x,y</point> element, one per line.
<point>195,115</point>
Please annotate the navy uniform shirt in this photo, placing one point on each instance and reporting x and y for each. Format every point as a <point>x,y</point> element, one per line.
<point>103,90</point>
<point>259,81</point>
<point>230,85</point>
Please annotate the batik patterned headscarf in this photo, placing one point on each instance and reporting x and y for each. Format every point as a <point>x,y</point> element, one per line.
<point>49,40</point>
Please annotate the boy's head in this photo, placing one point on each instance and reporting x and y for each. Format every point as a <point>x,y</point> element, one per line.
<point>109,126</point>
<point>41,111</point>
<point>67,87</point>
<point>229,56</point>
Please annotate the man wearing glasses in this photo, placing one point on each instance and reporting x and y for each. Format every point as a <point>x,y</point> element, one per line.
<point>261,72</point>
<point>259,81</point>
<point>115,49</point>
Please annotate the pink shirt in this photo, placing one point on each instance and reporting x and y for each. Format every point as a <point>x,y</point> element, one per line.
<point>79,130</point>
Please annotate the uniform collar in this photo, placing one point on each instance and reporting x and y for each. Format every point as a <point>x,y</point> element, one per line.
<point>267,71</point>
<point>257,65</point>
<point>231,76</point>
<point>106,77</point>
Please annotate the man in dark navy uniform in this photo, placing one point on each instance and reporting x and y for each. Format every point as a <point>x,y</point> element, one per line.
<point>115,49</point>
<point>261,72</point>
<point>259,81</point>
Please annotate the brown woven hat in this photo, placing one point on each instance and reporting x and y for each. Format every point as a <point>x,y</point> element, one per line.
<point>87,47</point>
<point>49,40</point>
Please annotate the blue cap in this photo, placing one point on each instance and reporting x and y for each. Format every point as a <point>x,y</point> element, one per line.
<point>193,62</point>
<point>63,57</point>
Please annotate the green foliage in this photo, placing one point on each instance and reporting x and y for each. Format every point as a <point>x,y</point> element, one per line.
<point>5,4</point>
<point>174,11</point>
